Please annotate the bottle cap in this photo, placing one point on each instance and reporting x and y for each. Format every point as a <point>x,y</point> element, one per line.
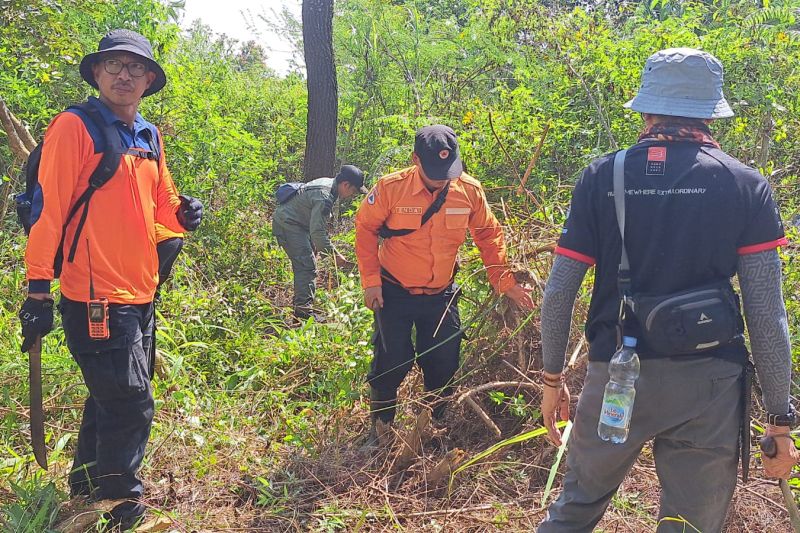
<point>629,342</point>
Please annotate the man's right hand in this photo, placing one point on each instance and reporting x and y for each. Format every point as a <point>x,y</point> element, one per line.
<point>373,296</point>
<point>787,455</point>
<point>36,316</point>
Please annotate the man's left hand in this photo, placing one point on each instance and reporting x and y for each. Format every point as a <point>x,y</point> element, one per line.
<point>555,407</point>
<point>520,296</point>
<point>190,213</point>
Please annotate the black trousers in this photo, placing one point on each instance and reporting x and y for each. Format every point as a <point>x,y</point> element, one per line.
<point>437,355</point>
<point>118,413</point>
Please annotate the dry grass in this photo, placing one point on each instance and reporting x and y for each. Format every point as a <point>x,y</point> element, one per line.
<point>234,479</point>
<point>338,485</point>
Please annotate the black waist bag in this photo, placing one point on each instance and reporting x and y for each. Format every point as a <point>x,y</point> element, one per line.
<point>680,323</point>
<point>690,321</point>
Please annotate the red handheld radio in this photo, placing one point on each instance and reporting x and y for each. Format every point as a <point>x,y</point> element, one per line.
<point>97,308</point>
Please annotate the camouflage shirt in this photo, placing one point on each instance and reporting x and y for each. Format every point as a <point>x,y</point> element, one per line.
<point>310,209</point>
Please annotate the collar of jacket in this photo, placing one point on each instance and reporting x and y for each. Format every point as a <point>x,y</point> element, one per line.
<point>110,117</point>
<point>334,191</point>
<point>418,186</point>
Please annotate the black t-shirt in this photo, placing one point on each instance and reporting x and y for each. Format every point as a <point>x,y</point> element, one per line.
<point>691,210</point>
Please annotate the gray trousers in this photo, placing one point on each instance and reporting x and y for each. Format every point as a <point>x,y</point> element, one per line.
<point>691,408</point>
<point>297,244</point>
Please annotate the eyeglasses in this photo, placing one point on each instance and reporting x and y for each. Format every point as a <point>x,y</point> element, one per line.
<point>115,66</point>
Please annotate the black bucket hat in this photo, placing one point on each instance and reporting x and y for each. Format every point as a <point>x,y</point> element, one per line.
<point>124,41</point>
<point>437,149</point>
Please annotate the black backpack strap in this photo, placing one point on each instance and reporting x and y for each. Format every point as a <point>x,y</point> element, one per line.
<point>386,232</point>
<point>624,271</point>
<point>109,162</point>
<point>155,149</point>
<point>32,170</point>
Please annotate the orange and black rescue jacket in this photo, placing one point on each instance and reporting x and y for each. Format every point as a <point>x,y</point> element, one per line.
<point>120,230</point>
<point>423,261</point>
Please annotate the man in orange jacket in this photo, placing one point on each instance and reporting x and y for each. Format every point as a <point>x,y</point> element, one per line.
<point>422,213</point>
<point>113,265</point>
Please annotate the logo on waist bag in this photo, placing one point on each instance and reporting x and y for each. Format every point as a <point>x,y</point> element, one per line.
<point>704,319</point>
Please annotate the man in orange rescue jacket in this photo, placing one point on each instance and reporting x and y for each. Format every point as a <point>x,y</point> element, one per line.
<point>114,267</point>
<point>422,213</point>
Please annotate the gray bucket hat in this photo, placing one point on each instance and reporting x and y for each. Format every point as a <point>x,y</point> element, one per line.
<point>682,82</point>
<point>122,40</point>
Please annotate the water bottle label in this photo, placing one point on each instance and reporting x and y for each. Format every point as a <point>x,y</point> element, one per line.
<point>614,413</point>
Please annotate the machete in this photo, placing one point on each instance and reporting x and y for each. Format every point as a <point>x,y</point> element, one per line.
<point>770,449</point>
<point>36,410</point>
<point>377,310</point>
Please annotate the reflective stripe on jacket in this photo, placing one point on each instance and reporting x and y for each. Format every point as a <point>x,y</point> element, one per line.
<point>423,261</point>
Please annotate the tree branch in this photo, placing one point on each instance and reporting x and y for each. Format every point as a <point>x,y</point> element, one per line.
<point>18,148</point>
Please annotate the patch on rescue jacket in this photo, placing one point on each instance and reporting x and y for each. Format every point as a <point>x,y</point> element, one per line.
<point>456,211</point>
<point>408,210</point>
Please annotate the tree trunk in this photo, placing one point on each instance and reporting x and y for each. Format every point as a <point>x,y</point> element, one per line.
<point>320,155</point>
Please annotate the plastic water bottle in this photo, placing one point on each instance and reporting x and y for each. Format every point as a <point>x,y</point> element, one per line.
<point>615,415</point>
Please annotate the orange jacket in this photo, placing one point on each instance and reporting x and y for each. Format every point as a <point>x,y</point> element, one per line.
<point>120,227</point>
<point>163,233</point>
<point>423,261</point>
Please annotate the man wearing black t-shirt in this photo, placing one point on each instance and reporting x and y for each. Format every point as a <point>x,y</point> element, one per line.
<point>694,216</point>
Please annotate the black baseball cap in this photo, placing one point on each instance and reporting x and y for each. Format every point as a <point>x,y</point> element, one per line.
<point>352,174</point>
<point>122,40</point>
<point>437,149</point>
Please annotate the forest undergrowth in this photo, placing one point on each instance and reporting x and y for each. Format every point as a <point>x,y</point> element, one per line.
<point>276,444</point>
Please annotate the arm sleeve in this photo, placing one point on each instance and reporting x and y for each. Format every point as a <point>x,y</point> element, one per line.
<point>559,299</point>
<point>66,151</point>
<point>318,224</point>
<point>578,240</point>
<point>760,281</point>
<point>167,201</point>
<point>488,236</point>
<point>371,215</point>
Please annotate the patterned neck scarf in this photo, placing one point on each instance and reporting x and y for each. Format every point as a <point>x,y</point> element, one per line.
<point>679,132</point>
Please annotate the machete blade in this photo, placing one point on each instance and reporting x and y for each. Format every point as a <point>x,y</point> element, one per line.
<point>36,410</point>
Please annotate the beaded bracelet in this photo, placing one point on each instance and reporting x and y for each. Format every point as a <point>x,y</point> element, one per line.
<point>553,383</point>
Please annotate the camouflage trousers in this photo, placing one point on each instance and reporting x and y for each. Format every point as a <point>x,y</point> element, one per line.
<point>296,242</point>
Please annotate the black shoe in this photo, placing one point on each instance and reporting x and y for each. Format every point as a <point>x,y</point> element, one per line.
<point>304,314</point>
<point>378,433</point>
<point>371,439</point>
<point>124,517</point>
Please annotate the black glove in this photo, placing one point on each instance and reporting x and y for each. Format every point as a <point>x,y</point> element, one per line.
<point>37,320</point>
<point>190,213</point>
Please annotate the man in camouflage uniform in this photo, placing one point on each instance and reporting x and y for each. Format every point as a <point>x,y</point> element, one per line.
<point>300,226</point>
